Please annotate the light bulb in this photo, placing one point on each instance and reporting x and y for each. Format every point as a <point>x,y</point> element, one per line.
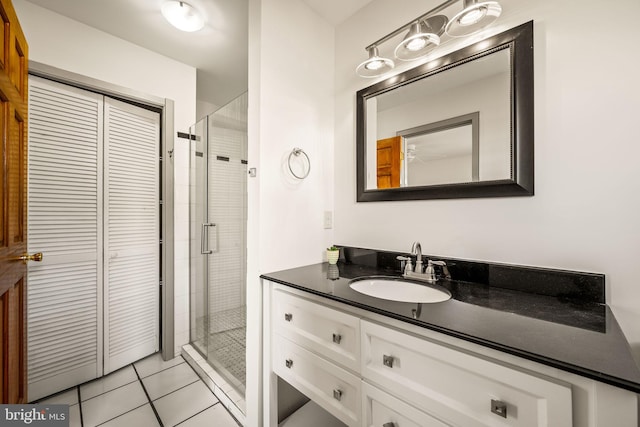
<point>473,16</point>
<point>416,44</point>
<point>374,65</point>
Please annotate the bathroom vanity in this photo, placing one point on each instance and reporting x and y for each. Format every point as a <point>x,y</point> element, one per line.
<point>495,354</point>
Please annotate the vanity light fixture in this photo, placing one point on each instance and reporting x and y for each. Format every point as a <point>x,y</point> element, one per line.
<point>182,15</point>
<point>375,65</point>
<point>422,37</point>
<point>424,33</point>
<point>474,16</point>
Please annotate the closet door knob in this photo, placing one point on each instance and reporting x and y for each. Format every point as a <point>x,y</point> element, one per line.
<point>337,338</point>
<point>37,257</point>
<point>288,317</point>
<point>288,363</point>
<point>387,360</point>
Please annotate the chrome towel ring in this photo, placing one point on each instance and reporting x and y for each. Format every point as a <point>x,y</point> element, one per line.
<point>297,152</point>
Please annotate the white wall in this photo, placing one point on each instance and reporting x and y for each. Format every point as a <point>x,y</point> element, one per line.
<point>291,61</point>
<point>584,215</point>
<point>296,110</point>
<point>69,45</point>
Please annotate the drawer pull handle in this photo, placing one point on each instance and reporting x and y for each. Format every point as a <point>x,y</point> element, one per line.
<point>337,394</point>
<point>337,338</point>
<point>387,360</point>
<point>288,363</point>
<point>499,408</point>
<point>288,317</point>
<point>389,424</point>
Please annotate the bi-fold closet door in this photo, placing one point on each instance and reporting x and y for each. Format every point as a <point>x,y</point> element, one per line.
<point>93,302</point>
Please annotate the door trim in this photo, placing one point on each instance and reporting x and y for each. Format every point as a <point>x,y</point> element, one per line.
<point>166,107</point>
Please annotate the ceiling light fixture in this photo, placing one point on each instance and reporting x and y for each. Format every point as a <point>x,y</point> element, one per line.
<point>423,36</point>
<point>182,15</point>
<point>375,65</point>
<point>425,33</point>
<point>474,16</point>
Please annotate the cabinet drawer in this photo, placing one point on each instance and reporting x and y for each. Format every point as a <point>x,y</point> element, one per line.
<point>459,388</point>
<point>330,386</point>
<point>323,330</point>
<point>381,409</point>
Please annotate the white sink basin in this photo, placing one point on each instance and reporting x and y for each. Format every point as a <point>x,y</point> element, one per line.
<point>400,290</point>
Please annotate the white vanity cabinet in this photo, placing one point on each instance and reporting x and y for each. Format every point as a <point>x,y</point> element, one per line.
<point>309,343</point>
<point>371,371</point>
<point>459,388</point>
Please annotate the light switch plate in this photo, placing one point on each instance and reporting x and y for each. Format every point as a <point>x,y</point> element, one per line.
<point>328,219</point>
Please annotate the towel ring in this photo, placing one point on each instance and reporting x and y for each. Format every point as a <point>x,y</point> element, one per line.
<point>296,152</point>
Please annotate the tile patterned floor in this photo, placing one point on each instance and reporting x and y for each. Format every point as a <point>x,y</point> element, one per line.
<point>151,392</point>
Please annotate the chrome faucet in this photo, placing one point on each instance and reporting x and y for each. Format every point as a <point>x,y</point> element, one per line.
<point>416,249</point>
<point>429,274</point>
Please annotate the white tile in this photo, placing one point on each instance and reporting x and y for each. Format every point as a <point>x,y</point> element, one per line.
<point>74,416</point>
<point>109,382</point>
<point>184,403</point>
<point>69,397</point>
<point>216,416</point>
<point>112,404</point>
<point>154,364</point>
<point>142,416</point>
<point>169,380</point>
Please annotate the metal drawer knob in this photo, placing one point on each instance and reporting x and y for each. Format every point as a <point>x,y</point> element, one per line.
<point>337,338</point>
<point>288,363</point>
<point>337,394</point>
<point>387,360</point>
<point>389,424</point>
<point>499,407</point>
<point>288,317</point>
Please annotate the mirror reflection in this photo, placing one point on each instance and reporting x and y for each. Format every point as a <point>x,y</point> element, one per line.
<point>453,127</point>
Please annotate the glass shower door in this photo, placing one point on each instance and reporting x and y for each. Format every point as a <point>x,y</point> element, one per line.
<point>218,244</point>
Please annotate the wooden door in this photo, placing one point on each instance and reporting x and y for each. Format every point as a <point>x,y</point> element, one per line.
<point>13,208</point>
<point>388,161</point>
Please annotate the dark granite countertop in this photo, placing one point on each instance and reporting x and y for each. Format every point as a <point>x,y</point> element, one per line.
<point>578,335</point>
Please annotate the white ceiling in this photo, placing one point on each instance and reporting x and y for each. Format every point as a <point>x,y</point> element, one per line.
<point>336,11</point>
<point>219,51</point>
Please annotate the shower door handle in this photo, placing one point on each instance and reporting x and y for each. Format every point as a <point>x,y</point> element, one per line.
<point>204,239</point>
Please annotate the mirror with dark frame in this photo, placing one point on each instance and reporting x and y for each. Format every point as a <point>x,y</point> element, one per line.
<point>459,126</point>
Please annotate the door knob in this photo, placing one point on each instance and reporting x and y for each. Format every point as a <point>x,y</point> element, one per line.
<point>35,257</point>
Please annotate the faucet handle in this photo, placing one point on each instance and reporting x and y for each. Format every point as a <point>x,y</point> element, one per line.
<point>445,270</point>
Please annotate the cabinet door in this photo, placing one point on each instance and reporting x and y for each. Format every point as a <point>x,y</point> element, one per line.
<point>323,330</point>
<point>460,388</point>
<point>381,409</point>
<point>330,386</point>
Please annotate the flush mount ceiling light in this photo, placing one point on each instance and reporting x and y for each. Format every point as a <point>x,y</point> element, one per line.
<point>375,65</point>
<point>474,16</point>
<point>424,33</point>
<point>182,15</point>
<point>423,36</point>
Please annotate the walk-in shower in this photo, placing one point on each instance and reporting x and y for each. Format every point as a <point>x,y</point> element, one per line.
<point>218,218</point>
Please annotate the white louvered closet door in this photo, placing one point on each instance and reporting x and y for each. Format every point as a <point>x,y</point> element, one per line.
<point>132,252</point>
<point>65,223</point>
